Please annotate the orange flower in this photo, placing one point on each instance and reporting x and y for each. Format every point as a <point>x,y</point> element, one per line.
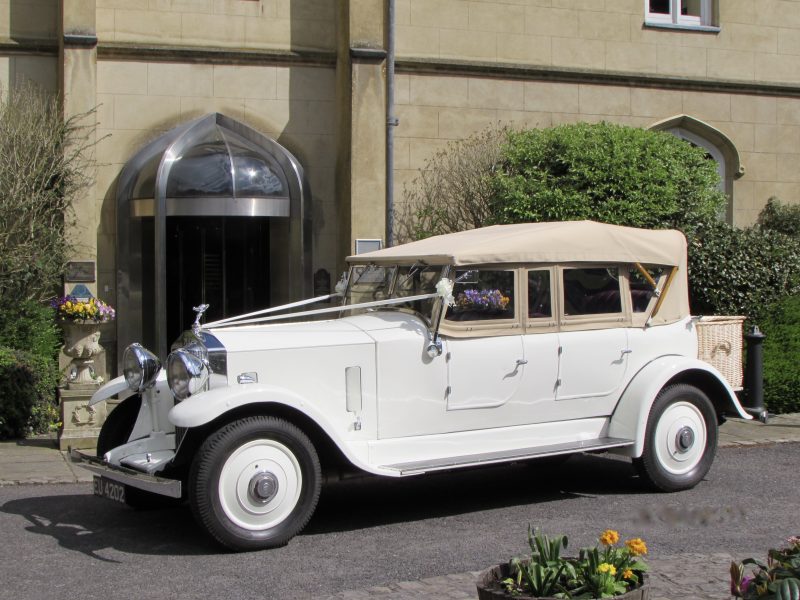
<point>609,537</point>
<point>636,546</point>
<point>627,574</point>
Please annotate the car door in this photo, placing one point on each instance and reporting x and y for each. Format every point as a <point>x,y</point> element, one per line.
<point>484,354</point>
<point>483,372</point>
<point>593,337</point>
<point>540,344</point>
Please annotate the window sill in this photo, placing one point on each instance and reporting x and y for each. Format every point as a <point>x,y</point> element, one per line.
<point>700,28</point>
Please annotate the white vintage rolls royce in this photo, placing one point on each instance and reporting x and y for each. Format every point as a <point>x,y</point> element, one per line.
<point>506,343</point>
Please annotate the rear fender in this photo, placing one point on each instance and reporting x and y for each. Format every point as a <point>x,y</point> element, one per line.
<point>629,420</point>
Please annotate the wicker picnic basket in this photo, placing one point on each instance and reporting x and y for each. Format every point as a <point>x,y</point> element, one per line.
<point>720,344</point>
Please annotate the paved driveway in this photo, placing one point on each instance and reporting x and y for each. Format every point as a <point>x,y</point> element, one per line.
<point>60,540</point>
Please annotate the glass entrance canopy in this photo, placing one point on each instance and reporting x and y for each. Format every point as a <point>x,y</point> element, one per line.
<point>211,166</point>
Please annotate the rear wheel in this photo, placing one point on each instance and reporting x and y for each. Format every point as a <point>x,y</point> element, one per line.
<point>680,440</point>
<point>255,483</point>
<point>115,432</point>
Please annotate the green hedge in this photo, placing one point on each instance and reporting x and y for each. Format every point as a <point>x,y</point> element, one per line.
<point>781,218</point>
<point>781,325</point>
<point>741,271</point>
<point>29,341</point>
<point>27,393</point>
<point>605,172</point>
<point>30,327</point>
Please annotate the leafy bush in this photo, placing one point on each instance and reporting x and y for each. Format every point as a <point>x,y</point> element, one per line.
<point>30,326</point>
<point>43,166</point>
<point>781,325</point>
<point>740,271</point>
<point>27,385</point>
<point>605,172</point>
<point>781,218</point>
<point>454,191</point>
<point>29,341</point>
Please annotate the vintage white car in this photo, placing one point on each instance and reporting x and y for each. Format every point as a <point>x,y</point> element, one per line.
<point>506,343</point>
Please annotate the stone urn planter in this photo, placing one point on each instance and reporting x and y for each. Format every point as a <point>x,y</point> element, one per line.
<point>490,588</point>
<point>82,344</point>
<point>80,320</point>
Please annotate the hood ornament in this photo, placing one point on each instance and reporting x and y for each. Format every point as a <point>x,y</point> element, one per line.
<point>200,310</point>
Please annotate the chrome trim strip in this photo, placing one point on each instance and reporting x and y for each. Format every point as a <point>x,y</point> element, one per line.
<point>217,207</point>
<point>441,464</point>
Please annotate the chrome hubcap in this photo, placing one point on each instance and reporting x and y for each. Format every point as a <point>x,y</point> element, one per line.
<point>263,487</point>
<point>684,440</point>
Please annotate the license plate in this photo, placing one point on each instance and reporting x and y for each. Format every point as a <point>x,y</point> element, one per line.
<point>109,489</point>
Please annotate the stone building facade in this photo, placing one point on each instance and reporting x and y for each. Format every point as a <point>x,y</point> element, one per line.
<point>311,75</point>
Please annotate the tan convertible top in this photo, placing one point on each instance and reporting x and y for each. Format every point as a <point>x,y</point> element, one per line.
<point>568,241</point>
<point>560,243</point>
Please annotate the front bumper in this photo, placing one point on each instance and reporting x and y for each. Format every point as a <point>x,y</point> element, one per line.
<point>171,488</point>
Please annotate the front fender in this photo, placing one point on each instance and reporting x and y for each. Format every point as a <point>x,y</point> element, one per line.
<point>629,420</point>
<point>203,408</point>
<point>112,388</point>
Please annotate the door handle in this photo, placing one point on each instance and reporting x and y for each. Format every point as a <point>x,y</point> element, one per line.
<point>521,361</point>
<point>627,351</point>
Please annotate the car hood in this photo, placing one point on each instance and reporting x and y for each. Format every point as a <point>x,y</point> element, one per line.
<point>248,338</point>
<point>350,330</point>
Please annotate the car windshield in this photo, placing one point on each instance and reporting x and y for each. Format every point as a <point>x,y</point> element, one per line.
<point>370,283</point>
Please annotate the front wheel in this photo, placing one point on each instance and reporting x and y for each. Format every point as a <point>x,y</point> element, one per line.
<point>255,483</point>
<point>680,439</point>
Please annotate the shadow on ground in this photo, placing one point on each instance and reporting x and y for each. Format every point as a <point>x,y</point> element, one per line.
<point>88,524</point>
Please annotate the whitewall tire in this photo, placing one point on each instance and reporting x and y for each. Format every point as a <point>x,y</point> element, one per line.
<point>255,483</point>
<point>680,440</point>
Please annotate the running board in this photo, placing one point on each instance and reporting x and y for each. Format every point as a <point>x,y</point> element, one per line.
<point>454,462</point>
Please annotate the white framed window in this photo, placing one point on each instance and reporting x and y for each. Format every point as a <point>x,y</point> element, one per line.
<point>694,14</point>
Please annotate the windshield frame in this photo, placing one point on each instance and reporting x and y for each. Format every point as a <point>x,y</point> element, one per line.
<point>390,282</point>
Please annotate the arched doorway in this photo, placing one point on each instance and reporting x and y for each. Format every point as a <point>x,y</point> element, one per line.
<point>210,212</point>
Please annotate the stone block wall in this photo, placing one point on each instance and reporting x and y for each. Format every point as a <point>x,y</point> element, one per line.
<point>757,41</point>
<point>265,24</point>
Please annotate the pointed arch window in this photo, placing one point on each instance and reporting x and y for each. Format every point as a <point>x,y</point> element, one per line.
<point>718,147</point>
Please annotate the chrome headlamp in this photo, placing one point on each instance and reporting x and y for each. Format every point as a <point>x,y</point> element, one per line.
<point>187,374</point>
<point>140,367</point>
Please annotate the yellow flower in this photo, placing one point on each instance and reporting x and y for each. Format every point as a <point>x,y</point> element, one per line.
<point>627,574</point>
<point>636,546</point>
<point>609,537</point>
<point>606,568</point>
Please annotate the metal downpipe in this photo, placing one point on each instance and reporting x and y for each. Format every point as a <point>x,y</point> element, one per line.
<point>391,121</point>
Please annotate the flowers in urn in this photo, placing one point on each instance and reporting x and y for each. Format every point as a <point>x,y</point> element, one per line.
<point>80,320</point>
<point>482,300</point>
<point>71,309</point>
